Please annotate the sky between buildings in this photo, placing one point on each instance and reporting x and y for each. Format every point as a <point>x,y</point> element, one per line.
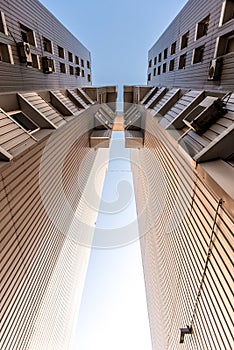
<point>118,33</point>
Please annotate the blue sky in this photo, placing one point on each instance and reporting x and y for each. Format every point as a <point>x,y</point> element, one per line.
<point>118,33</point>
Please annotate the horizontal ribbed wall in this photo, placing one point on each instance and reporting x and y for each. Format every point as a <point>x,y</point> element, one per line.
<point>177,213</point>
<point>43,269</point>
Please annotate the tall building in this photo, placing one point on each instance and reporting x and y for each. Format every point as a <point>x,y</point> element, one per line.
<point>47,114</point>
<point>183,175</point>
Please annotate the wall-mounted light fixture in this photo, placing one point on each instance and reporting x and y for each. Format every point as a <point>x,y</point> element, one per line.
<point>183,331</point>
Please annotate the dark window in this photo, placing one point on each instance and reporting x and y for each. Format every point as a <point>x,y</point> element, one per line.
<point>34,61</point>
<point>154,72</point>
<point>2,23</point>
<point>27,35</point>
<point>71,70</point>
<point>172,65</point>
<point>78,71</point>
<point>149,76</point>
<point>61,52</point>
<point>225,44</point>
<point>24,121</point>
<point>155,60</point>
<point>159,70</point>
<point>4,53</point>
<point>184,40</point>
<point>47,45</point>
<point>198,54</point>
<point>160,57</point>
<point>165,54</point>
<point>82,62</point>
<point>70,56</point>
<point>173,48</point>
<point>77,60</point>
<point>182,61</point>
<point>89,78</point>
<point>202,27</point>
<point>83,73</point>
<point>227,11</point>
<point>164,68</point>
<point>150,63</point>
<point>62,67</point>
<point>88,64</point>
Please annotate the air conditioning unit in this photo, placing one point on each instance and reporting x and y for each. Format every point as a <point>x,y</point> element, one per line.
<point>205,114</point>
<point>215,69</point>
<point>24,53</point>
<point>47,65</point>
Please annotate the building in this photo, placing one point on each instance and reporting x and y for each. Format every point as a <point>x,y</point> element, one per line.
<point>47,114</point>
<point>196,50</point>
<point>183,174</point>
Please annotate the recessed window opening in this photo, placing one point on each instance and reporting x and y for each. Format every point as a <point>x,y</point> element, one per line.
<point>83,73</point>
<point>160,57</point>
<point>71,70</point>
<point>24,121</point>
<point>61,52</point>
<point>172,65</point>
<point>47,45</point>
<point>89,78</point>
<point>198,54</point>
<point>88,64</point>
<point>159,70</point>
<point>184,40</point>
<point>182,61</point>
<point>82,62</point>
<point>27,35</point>
<point>35,61</point>
<point>227,12</point>
<point>225,44</point>
<point>4,53</point>
<point>155,60</point>
<point>165,54</point>
<point>173,48</point>
<point>149,77</point>
<point>202,28</point>
<point>77,60</point>
<point>70,56</point>
<point>164,68</point>
<point>154,72</point>
<point>62,68</point>
<point>150,63</point>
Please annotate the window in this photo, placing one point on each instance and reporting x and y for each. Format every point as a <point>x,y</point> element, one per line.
<point>160,57</point>
<point>82,62</point>
<point>173,48</point>
<point>171,65</point>
<point>47,45</point>
<point>3,26</point>
<point>77,60</point>
<point>202,28</point>
<point>71,70</point>
<point>83,73</point>
<point>150,63</point>
<point>61,52</point>
<point>149,77</point>
<point>27,35</point>
<point>89,78</point>
<point>4,53</point>
<point>225,44</point>
<point>88,64</point>
<point>35,63</point>
<point>164,68</point>
<point>182,61</point>
<point>198,54</point>
<point>62,67</point>
<point>159,70</point>
<point>154,72</point>
<point>70,56</point>
<point>25,122</point>
<point>78,71</point>
<point>227,12</point>
<point>155,60</point>
<point>184,41</point>
<point>165,54</point>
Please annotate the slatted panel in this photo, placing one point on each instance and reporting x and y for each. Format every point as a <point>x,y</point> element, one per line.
<point>164,100</point>
<point>12,137</point>
<point>180,106</point>
<point>81,101</point>
<point>176,232</point>
<point>150,103</point>
<point>32,246</point>
<point>43,107</point>
<point>66,101</point>
<point>194,75</point>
